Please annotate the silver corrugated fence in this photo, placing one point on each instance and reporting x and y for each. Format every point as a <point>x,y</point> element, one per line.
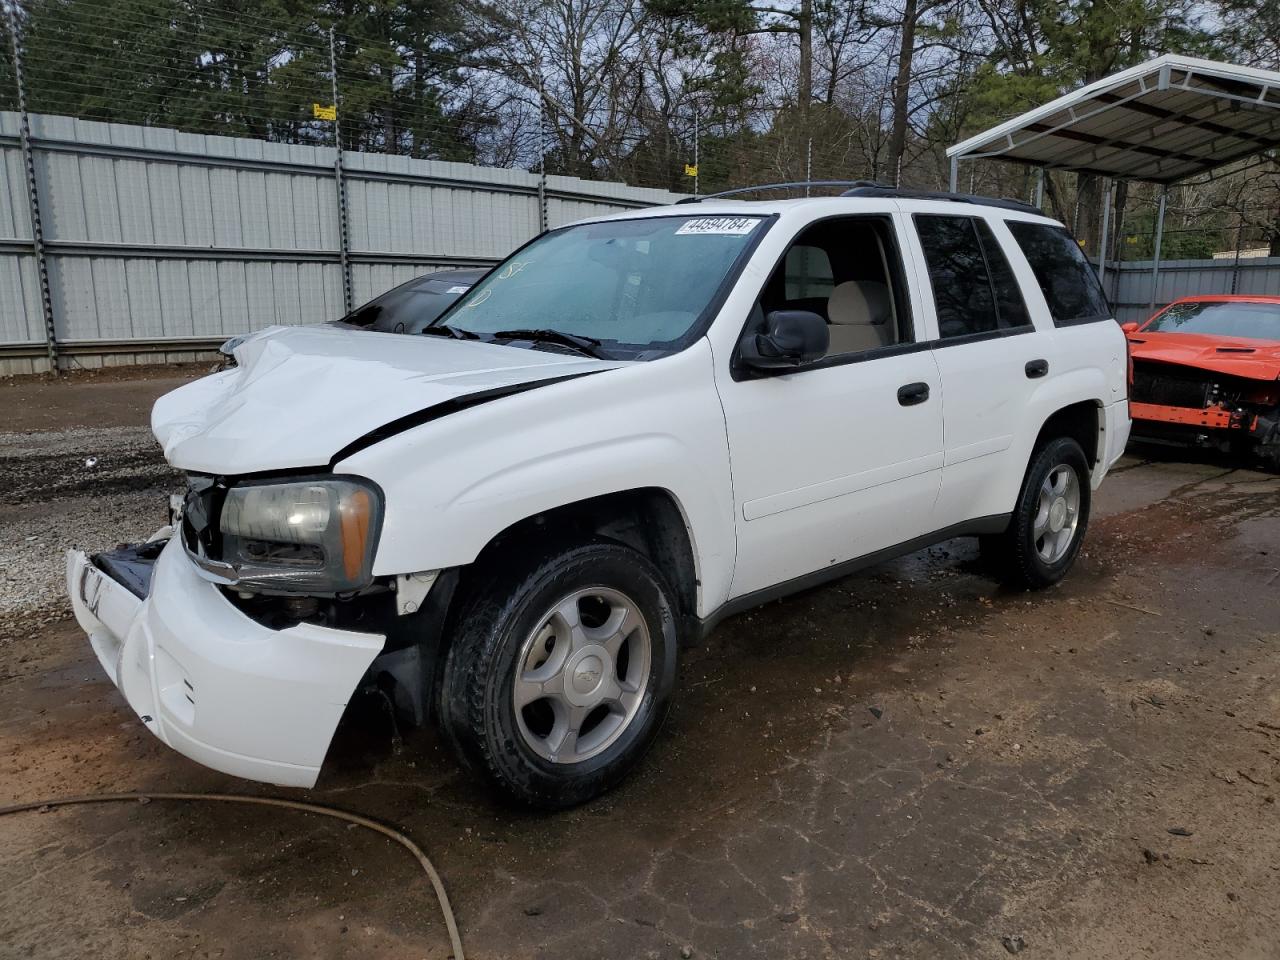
<point>160,244</point>
<point>1129,283</point>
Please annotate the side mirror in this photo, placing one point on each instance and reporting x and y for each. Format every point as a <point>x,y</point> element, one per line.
<point>1130,327</point>
<point>790,339</point>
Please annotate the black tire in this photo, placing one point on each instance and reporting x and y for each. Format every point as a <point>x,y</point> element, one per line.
<point>1014,553</point>
<point>501,612</point>
<point>1268,454</point>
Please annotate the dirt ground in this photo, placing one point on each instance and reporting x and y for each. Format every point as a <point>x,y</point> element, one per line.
<point>909,763</point>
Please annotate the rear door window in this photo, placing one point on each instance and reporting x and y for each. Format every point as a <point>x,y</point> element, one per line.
<point>974,290</point>
<point>1009,303</point>
<point>1066,277</point>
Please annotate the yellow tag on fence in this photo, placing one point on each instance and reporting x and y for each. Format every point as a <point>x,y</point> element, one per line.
<point>690,169</point>
<point>324,113</point>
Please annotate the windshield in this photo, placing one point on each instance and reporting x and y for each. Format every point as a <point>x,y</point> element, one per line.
<point>1255,321</point>
<point>639,287</point>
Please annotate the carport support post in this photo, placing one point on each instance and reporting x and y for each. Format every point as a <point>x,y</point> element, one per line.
<point>1040,190</point>
<point>344,248</point>
<point>1155,259</point>
<point>1235,266</point>
<point>955,174</point>
<point>1106,231</point>
<point>33,193</point>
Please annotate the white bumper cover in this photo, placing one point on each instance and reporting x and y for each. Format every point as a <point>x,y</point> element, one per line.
<point>210,682</point>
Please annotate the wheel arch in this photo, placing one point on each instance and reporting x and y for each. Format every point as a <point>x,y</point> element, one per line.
<point>650,520</point>
<point>1070,407</point>
<point>1083,421</point>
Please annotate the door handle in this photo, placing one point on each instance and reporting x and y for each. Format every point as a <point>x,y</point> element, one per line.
<point>1036,369</point>
<point>913,393</point>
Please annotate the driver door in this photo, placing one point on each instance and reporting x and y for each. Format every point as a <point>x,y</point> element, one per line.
<point>844,457</point>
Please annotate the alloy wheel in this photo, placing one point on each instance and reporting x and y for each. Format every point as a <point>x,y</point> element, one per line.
<point>1057,514</point>
<point>581,675</point>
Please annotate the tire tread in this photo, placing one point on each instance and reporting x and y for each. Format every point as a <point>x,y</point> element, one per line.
<point>1013,553</point>
<point>495,597</point>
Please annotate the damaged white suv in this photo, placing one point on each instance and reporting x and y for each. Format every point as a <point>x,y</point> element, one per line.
<point>632,428</point>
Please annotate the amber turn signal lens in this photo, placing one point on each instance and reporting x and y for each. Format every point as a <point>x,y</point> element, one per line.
<point>356,510</point>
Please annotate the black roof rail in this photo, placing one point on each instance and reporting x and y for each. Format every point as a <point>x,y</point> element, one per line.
<point>871,188</point>
<point>792,185</point>
<point>906,193</point>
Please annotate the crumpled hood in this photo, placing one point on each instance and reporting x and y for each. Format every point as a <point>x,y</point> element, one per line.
<point>301,394</point>
<point>1234,356</point>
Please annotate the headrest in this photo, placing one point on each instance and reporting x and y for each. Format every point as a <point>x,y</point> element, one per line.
<point>860,302</point>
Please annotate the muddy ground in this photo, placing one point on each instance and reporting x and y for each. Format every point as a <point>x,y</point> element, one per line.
<point>909,763</point>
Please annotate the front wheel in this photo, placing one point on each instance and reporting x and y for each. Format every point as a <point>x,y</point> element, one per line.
<point>1049,520</point>
<point>1268,451</point>
<point>561,673</point>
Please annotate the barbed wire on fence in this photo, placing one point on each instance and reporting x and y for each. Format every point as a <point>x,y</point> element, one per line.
<point>199,68</point>
<point>134,68</point>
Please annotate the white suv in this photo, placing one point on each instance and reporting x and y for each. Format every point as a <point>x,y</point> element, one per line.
<point>632,428</point>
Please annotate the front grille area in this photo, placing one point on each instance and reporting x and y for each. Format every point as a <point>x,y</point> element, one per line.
<point>1171,386</point>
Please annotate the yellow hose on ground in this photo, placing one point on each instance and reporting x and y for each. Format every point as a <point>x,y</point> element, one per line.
<point>389,832</point>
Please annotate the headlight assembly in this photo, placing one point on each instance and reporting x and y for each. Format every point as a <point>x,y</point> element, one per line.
<point>228,352</point>
<point>307,536</point>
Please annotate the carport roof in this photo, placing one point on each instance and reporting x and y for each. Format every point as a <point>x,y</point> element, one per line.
<point>1162,121</point>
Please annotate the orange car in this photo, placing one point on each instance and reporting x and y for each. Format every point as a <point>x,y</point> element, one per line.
<point>1205,371</point>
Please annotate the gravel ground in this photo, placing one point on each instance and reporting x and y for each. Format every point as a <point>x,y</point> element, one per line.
<point>76,488</point>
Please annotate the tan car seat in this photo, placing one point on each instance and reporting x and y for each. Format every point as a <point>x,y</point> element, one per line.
<point>860,316</point>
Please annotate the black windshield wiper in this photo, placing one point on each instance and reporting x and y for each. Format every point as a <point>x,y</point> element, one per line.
<point>444,330</point>
<point>587,345</point>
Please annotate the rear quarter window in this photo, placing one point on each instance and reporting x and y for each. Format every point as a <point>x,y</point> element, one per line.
<point>1066,278</point>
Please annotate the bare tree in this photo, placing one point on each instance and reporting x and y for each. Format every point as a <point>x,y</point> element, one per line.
<point>576,60</point>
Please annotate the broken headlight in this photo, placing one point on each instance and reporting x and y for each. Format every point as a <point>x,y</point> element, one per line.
<point>311,536</point>
<point>227,353</point>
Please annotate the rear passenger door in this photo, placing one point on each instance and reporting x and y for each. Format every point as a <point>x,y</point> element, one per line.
<point>990,355</point>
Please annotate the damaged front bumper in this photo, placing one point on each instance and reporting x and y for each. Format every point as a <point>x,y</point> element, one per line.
<point>1217,426</point>
<point>1188,406</point>
<point>210,682</point>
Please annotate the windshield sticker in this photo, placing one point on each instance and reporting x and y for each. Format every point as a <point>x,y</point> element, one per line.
<point>457,290</point>
<point>719,226</point>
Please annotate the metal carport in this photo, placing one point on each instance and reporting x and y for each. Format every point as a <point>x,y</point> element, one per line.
<point>1162,121</point>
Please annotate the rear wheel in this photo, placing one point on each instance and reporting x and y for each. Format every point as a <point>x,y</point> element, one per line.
<point>1049,520</point>
<point>561,673</point>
